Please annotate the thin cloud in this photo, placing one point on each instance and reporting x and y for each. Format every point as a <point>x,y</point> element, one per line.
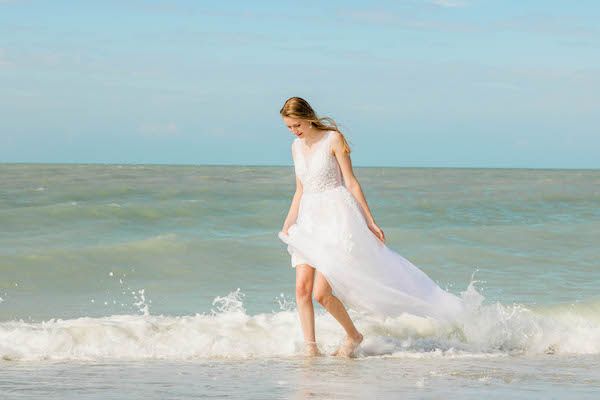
<point>547,25</point>
<point>449,3</point>
<point>159,129</point>
<point>370,16</point>
<point>566,27</point>
<point>386,17</point>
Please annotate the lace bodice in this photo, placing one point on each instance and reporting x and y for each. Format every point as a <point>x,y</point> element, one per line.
<point>316,167</point>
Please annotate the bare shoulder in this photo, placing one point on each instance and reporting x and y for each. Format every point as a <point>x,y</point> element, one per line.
<point>336,137</point>
<point>337,141</point>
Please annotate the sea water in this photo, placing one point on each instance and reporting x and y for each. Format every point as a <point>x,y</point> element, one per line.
<point>152,281</point>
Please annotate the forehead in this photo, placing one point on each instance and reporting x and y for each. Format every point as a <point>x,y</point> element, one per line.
<point>291,121</point>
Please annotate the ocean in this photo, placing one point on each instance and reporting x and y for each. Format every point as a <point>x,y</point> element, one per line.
<point>159,281</point>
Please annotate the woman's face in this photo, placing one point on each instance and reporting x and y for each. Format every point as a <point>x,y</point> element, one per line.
<point>298,127</point>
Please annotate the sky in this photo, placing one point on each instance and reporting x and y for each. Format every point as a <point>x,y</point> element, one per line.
<point>411,83</point>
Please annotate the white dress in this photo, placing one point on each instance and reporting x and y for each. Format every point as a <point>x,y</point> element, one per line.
<point>331,235</point>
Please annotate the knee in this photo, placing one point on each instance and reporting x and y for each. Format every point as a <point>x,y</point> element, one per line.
<point>322,297</point>
<point>302,293</point>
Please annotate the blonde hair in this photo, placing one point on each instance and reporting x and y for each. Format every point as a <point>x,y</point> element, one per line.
<point>297,107</point>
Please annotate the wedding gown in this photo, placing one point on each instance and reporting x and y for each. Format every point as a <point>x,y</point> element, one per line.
<point>332,236</point>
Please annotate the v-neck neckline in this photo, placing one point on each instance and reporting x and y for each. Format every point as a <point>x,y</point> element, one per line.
<point>307,155</point>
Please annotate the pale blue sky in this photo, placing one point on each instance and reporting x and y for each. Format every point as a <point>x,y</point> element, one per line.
<point>436,83</point>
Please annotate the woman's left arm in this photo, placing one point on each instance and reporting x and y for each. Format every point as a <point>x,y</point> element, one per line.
<point>352,184</point>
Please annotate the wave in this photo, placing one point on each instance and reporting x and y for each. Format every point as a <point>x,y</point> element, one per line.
<point>492,330</point>
<point>75,210</point>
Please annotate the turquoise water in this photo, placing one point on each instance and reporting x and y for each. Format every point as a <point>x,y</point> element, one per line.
<point>145,272</point>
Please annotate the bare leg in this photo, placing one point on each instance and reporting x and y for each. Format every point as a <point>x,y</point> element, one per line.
<point>323,294</point>
<point>305,275</point>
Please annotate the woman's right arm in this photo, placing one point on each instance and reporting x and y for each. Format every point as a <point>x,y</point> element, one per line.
<point>293,212</point>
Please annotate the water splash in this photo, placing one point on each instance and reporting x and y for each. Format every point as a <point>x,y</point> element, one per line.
<point>232,303</point>
<point>285,303</point>
<point>485,330</point>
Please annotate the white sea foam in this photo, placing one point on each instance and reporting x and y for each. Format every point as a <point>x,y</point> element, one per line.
<point>494,330</point>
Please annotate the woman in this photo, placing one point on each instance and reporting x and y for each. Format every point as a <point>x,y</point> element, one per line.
<point>335,245</point>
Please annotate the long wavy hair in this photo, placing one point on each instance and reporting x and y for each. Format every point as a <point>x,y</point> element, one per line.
<point>297,107</point>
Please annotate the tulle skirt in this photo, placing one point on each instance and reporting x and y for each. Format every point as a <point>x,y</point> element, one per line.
<point>331,235</point>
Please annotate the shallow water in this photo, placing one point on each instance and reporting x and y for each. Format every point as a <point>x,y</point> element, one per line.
<point>298,378</point>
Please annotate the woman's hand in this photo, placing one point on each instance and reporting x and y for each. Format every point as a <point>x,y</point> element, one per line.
<point>377,231</point>
<point>284,230</point>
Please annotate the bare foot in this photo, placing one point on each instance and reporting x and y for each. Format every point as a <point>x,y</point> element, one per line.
<point>349,346</point>
<point>311,349</point>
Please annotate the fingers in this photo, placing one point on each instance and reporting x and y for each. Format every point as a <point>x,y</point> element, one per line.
<point>378,232</point>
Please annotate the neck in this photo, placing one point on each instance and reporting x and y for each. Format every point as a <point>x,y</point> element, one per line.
<point>312,136</point>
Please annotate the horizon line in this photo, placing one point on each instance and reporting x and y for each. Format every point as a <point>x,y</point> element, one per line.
<point>288,165</point>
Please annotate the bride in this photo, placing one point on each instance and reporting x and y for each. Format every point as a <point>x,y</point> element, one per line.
<point>336,247</point>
